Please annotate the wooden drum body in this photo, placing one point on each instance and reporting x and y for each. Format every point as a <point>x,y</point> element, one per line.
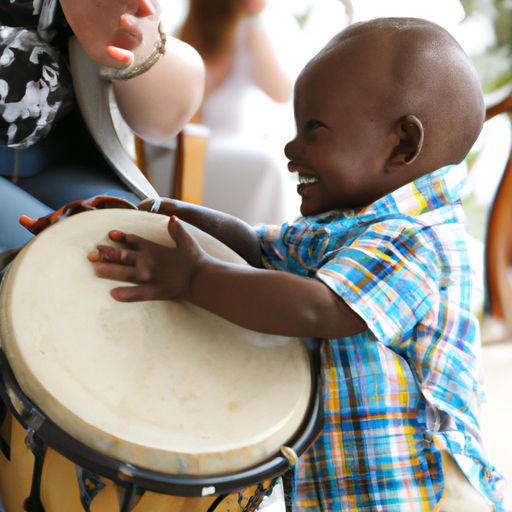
<point>162,397</point>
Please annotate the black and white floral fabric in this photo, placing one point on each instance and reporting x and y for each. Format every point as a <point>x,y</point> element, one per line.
<point>35,85</point>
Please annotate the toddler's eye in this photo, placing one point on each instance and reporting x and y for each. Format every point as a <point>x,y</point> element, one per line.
<point>313,124</point>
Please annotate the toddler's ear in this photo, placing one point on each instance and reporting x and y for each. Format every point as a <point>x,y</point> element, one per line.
<point>408,135</point>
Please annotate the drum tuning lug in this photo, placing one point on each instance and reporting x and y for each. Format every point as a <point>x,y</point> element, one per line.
<point>33,502</point>
<point>126,472</point>
<point>18,405</point>
<point>33,419</point>
<point>31,441</point>
<point>290,455</point>
<point>30,417</point>
<point>208,491</point>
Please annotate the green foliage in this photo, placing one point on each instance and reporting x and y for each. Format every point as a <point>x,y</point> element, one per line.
<point>494,63</point>
<point>302,17</point>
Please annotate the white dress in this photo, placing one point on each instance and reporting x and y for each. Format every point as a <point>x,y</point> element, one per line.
<point>246,173</point>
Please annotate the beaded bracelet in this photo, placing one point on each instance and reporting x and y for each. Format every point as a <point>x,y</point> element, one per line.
<point>110,74</point>
<point>155,208</point>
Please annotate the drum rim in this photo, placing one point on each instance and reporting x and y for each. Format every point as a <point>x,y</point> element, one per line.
<point>35,422</point>
<point>112,433</point>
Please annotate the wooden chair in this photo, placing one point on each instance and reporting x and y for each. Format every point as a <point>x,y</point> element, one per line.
<point>498,239</point>
<point>187,182</point>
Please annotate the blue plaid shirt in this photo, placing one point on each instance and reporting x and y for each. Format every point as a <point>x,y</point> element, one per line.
<point>389,392</point>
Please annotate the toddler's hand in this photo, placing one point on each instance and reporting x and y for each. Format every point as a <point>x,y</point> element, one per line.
<point>159,272</point>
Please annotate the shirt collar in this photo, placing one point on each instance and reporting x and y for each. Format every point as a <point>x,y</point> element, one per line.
<point>427,193</point>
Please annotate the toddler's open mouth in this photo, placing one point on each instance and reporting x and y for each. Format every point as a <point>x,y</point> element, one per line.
<point>307,179</point>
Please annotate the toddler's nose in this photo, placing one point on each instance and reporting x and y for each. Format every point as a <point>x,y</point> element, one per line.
<point>289,149</point>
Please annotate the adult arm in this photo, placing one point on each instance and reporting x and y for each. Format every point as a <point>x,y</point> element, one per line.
<point>267,71</point>
<point>157,103</point>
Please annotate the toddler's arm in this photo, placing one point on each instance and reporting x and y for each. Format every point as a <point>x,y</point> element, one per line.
<point>231,231</point>
<point>269,301</point>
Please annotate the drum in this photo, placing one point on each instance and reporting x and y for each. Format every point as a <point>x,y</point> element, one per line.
<point>143,406</point>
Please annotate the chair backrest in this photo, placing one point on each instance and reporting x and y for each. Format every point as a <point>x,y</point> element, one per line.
<point>188,181</point>
<point>188,167</point>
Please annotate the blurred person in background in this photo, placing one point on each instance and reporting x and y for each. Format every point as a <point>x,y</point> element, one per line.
<point>249,78</point>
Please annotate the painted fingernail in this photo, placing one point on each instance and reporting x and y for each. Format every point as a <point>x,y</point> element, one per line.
<point>123,56</point>
<point>93,256</point>
<point>116,236</point>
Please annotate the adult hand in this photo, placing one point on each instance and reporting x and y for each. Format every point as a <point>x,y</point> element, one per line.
<point>159,272</point>
<point>253,7</point>
<point>107,29</point>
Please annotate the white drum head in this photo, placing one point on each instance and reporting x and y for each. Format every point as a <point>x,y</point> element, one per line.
<point>163,385</point>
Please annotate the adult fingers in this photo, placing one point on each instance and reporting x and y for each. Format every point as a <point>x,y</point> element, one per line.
<point>145,8</point>
<point>113,57</point>
<point>128,36</point>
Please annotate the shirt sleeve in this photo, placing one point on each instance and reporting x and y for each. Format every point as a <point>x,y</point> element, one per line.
<point>274,252</point>
<point>35,85</point>
<point>389,277</point>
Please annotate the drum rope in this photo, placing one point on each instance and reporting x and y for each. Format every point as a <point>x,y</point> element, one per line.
<point>156,205</point>
<point>290,455</point>
<point>130,498</point>
<point>217,502</point>
<point>89,485</point>
<point>259,495</point>
<point>5,446</point>
<point>33,503</point>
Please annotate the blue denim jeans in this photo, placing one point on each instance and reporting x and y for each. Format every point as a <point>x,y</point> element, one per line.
<point>65,166</point>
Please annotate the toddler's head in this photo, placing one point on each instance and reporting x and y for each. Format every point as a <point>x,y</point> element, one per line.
<point>383,103</point>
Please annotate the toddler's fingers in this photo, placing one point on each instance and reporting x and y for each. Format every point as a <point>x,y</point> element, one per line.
<point>178,232</point>
<point>134,293</point>
<point>109,254</point>
<point>132,241</point>
<point>116,272</point>
<point>93,256</point>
